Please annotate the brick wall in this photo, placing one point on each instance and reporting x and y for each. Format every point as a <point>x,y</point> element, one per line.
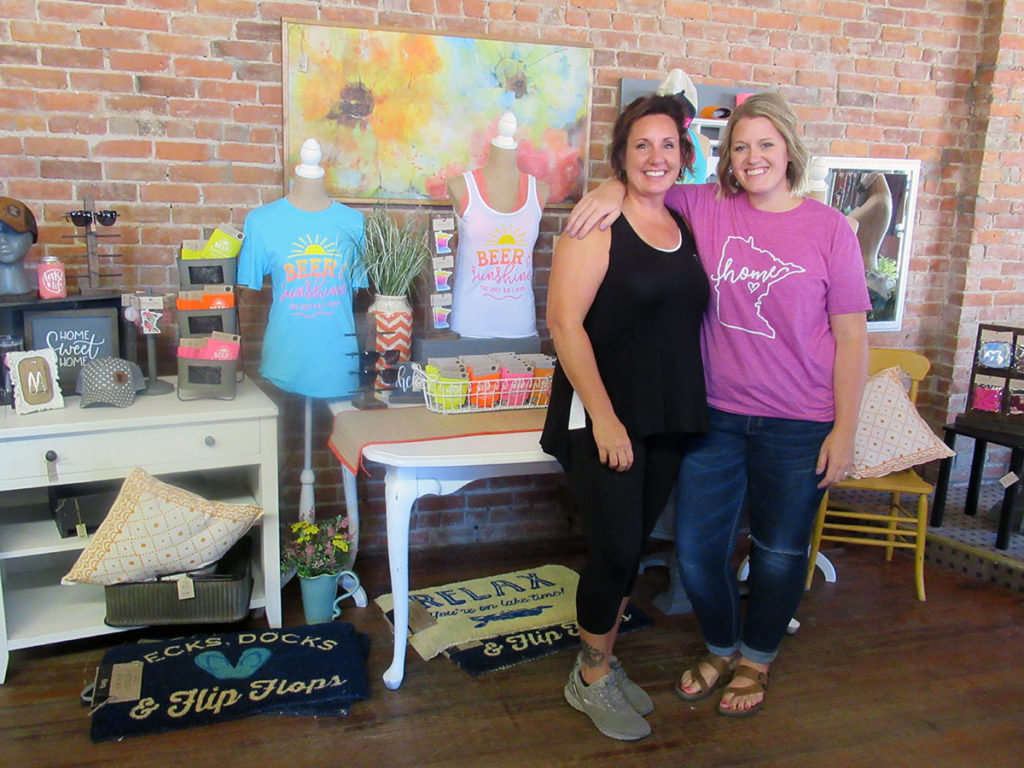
<point>170,112</point>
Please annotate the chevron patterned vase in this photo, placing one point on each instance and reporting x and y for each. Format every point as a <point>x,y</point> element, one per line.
<point>392,317</point>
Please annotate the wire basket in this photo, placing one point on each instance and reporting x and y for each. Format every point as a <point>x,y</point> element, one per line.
<point>457,395</point>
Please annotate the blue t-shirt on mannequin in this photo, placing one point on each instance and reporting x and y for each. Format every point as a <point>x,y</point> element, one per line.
<point>314,260</point>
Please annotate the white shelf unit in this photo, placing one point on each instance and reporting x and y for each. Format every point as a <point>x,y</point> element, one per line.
<point>226,450</point>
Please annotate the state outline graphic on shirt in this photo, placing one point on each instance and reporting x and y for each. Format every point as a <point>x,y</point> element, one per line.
<point>750,272</point>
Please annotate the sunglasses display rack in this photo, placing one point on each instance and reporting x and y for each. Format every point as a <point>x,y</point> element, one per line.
<point>475,383</point>
<point>91,267</point>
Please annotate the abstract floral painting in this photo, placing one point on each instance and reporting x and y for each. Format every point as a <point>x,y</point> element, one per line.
<point>398,113</point>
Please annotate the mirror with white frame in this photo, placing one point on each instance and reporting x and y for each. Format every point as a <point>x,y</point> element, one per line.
<point>879,197</point>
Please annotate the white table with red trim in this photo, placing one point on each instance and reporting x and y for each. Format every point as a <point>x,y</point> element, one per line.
<point>424,454</point>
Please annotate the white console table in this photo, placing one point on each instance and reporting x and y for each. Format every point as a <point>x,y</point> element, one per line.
<point>432,458</point>
<point>231,445</point>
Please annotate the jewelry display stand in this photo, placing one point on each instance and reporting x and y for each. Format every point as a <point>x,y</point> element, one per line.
<point>996,392</point>
<point>145,311</point>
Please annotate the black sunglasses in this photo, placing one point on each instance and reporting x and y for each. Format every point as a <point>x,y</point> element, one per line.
<point>85,218</point>
<point>369,374</point>
<point>371,356</point>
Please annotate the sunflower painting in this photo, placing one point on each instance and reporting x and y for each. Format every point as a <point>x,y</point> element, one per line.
<point>398,113</point>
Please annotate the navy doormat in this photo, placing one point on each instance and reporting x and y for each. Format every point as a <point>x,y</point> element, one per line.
<point>518,647</point>
<point>150,687</point>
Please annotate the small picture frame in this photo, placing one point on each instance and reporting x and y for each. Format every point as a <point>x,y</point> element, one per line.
<point>36,386</point>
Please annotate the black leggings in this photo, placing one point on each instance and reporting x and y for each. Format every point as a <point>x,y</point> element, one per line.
<point>619,510</point>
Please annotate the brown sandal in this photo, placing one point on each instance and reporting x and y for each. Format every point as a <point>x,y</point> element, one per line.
<point>717,663</point>
<point>756,682</point>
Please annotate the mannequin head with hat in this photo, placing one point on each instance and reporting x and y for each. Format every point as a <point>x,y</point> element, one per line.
<point>17,234</point>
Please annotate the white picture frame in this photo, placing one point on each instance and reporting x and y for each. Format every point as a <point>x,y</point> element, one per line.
<point>36,386</point>
<point>845,183</point>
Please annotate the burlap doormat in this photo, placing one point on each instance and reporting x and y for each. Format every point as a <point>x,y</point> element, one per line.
<point>459,613</point>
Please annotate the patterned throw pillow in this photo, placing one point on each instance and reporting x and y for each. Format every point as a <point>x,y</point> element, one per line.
<point>891,436</point>
<point>154,529</point>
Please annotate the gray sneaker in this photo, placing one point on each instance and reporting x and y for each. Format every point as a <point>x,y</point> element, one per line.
<point>605,705</point>
<point>635,696</point>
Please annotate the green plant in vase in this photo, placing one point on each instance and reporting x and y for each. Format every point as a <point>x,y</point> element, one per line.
<point>394,254</point>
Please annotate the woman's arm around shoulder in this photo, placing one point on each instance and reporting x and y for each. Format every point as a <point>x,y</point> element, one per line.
<point>599,207</point>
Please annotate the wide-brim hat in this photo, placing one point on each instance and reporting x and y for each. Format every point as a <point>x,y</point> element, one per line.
<point>18,217</point>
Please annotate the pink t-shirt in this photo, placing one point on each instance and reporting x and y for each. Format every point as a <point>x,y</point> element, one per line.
<point>775,279</point>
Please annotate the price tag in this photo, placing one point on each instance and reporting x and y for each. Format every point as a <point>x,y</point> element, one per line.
<point>81,531</point>
<point>1008,479</point>
<point>51,472</point>
<point>126,681</point>
<point>186,588</point>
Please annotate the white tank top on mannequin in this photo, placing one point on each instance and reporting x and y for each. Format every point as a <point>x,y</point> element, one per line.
<point>493,295</point>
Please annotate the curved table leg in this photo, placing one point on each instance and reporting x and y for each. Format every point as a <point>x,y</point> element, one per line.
<point>348,483</point>
<point>399,495</point>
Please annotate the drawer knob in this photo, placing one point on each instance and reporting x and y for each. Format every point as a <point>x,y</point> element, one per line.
<point>210,440</point>
<point>50,456</point>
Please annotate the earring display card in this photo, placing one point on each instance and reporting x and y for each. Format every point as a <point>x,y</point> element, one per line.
<point>436,281</point>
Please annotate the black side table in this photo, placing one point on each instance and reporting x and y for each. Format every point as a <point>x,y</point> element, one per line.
<point>982,437</point>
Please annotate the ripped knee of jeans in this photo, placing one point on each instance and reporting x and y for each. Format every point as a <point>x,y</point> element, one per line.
<point>779,551</point>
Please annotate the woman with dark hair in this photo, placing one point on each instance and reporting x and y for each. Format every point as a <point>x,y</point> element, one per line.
<point>624,310</point>
<point>785,339</point>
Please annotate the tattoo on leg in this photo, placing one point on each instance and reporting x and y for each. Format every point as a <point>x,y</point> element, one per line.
<point>591,656</point>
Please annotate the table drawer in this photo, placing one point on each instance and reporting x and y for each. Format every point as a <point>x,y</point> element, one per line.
<point>96,455</point>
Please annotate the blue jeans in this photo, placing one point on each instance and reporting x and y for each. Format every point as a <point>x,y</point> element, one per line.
<point>771,463</point>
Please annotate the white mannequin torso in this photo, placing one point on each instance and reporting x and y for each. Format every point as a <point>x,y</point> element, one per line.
<point>503,184</point>
<point>309,194</point>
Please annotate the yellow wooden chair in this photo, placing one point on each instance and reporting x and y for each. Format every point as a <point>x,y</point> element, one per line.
<point>896,525</point>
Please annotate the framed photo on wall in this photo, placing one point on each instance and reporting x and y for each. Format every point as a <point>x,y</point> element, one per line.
<point>398,113</point>
<point>76,336</point>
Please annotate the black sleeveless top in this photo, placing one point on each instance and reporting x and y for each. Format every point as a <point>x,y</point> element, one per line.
<point>644,326</point>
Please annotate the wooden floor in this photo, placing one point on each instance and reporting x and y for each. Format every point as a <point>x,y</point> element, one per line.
<point>872,678</point>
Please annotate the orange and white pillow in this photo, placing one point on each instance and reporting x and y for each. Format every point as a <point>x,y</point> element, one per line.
<point>891,435</point>
<point>154,529</point>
